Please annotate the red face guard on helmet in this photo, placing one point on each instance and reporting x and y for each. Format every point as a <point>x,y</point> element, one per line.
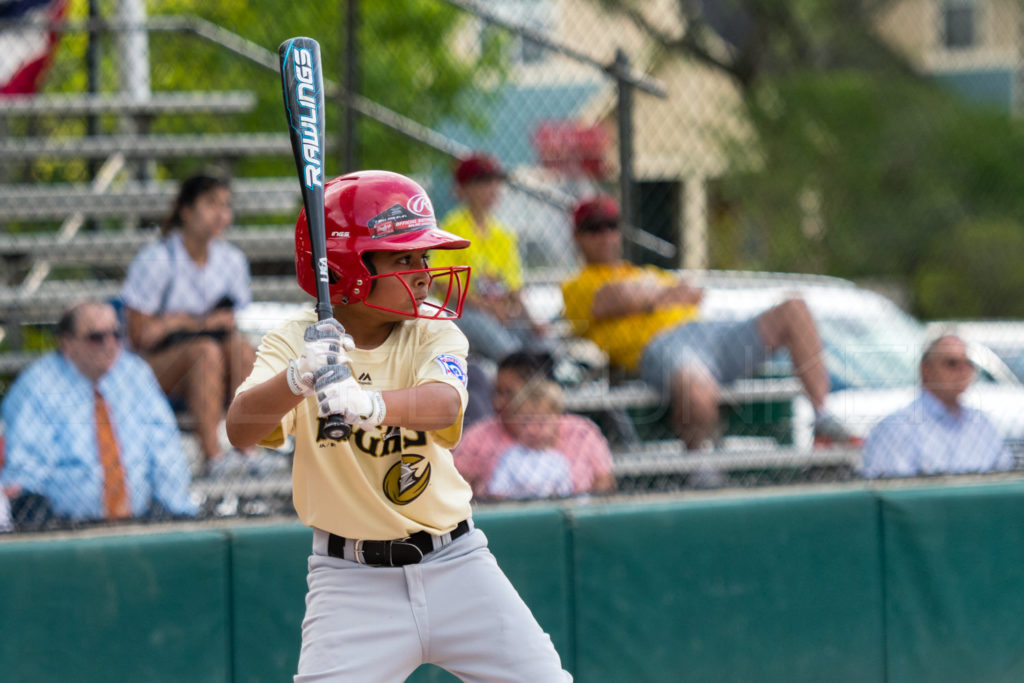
<point>372,211</point>
<point>448,285</point>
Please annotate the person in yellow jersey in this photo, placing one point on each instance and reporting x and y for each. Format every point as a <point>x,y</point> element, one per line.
<point>494,320</point>
<point>647,319</point>
<point>398,576</point>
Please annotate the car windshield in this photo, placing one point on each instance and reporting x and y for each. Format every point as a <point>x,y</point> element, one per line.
<point>871,349</point>
<point>1013,356</point>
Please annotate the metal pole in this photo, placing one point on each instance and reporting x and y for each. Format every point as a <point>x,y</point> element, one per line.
<point>133,67</point>
<point>625,121</point>
<point>133,49</point>
<point>695,223</point>
<point>351,71</point>
<point>92,62</point>
<point>92,65</point>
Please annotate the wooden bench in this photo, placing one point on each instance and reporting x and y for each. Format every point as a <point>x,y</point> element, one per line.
<point>56,201</point>
<point>85,104</point>
<point>146,146</point>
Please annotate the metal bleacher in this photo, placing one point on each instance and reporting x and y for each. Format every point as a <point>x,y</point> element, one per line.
<point>54,201</point>
<point>62,241</point>
<point>754,446</point>
<point>43,268</point>
<point>227,145</point>
<point>156,104</point>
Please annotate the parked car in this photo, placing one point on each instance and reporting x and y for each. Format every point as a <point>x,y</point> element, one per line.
<point>1004,337</point>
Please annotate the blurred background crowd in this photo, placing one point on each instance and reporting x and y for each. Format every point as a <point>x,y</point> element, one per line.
<point>838,182</point>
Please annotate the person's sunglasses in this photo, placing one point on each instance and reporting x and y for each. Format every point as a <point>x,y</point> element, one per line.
<point>101,336</point>
<point>955,363</point>
<point>599,226</point>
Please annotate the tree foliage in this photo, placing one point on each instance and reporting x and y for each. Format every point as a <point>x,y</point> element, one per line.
<point>911,182</point>
<point>404,62</point>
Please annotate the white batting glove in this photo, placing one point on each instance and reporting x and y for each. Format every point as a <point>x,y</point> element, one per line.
<point>338,393</point>
<point>325,344</point>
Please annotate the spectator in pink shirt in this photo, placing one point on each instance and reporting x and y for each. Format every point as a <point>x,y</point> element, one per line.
<point>530,448</point>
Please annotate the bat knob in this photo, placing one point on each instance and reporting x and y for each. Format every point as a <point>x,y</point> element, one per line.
<point>336,428</point>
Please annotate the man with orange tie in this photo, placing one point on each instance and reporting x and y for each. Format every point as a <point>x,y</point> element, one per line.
<point>89,433</point>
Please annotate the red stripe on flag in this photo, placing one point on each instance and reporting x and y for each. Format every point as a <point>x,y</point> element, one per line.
<point>29,75</point>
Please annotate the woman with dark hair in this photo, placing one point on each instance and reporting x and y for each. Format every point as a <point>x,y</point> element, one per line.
<point>180,299</point>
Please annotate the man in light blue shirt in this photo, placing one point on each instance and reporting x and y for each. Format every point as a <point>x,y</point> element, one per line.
<point>936,434</point>
<point>52,457</point>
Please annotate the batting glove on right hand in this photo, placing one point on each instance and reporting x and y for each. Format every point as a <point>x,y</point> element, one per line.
<point>338,393</point>
<point>325,344</point>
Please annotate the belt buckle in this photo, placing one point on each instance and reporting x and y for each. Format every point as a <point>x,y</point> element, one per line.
<point>357,550</point>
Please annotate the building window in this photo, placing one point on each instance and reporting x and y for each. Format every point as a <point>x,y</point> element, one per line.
<point>536,14</point>
<point>531,52</point>
<point>959,24</point>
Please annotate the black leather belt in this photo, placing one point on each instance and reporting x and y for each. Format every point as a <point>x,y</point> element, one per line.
<point>395,553</point>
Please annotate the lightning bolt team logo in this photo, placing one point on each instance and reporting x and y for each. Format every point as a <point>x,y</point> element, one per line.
<point>407,479</point>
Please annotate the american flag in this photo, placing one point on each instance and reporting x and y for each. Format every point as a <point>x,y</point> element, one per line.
<point>25,51</point>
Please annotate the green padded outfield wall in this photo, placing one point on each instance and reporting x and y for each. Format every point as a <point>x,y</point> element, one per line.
<point>128,608</point>
<point>894,586</point>
<point>765,589</point>
<point>954,569</point>
<point>268,588</point>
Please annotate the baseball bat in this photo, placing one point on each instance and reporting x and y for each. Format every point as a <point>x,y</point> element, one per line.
<point>302,81</point>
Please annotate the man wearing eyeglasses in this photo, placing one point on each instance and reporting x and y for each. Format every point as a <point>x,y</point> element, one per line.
<point>937,434</point>
<point>647,319</point>
<point>89,433</point>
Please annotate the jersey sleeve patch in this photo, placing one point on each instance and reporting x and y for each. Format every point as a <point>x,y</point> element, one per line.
<point>453,366</point>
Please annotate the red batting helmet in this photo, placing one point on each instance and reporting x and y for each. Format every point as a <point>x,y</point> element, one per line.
<point>379,211</point>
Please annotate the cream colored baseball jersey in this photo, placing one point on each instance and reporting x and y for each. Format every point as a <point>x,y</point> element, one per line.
<point>389,482</point>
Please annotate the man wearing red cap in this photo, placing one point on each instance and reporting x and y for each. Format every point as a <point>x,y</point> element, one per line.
<point>493,317</point>
<point>646,320</point>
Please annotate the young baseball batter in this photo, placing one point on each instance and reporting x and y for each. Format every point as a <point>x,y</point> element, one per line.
<point>398,576</point>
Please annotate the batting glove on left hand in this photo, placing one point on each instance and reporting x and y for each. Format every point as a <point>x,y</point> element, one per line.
<point>326,343</point>
<point>338,393</point>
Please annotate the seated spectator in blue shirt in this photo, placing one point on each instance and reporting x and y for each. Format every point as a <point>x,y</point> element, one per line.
<point>937,434</point>
<point>89,433</point>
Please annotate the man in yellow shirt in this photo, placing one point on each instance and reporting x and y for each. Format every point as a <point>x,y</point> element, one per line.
<point>493,318</point>
<point>646,320</point>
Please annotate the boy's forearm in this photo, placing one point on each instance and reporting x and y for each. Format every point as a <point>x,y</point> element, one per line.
<point>255,413</point>
<point>426,407</point>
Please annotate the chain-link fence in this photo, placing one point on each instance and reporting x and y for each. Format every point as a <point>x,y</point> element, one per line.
<point>861,160</point>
